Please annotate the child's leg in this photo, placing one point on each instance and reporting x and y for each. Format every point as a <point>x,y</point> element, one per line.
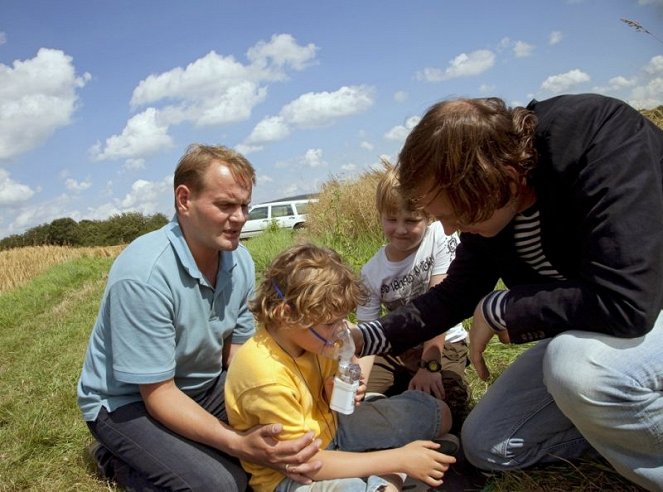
<point>390,483</point>
<point>457,393</point>
<point>393,422</point>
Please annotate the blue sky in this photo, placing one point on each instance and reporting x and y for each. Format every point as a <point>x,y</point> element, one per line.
<point>99,99</point>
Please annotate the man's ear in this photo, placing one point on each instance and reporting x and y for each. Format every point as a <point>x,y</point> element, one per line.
<point>182,198</point>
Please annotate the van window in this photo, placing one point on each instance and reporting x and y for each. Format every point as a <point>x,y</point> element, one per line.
<point>302,207</point>
<point>281,211</point>
<point>258,213</point>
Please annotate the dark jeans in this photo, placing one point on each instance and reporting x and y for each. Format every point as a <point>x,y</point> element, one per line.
<point>141,454</point>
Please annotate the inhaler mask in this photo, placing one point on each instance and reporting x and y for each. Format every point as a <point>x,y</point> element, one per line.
<point>341,347</point>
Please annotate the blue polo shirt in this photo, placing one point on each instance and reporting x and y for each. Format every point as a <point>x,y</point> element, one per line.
<point>160,319</point>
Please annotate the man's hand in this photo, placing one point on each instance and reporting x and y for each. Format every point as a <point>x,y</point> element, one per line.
<point>260,445</point>
<point>479,335</point>
<point>430,382</point>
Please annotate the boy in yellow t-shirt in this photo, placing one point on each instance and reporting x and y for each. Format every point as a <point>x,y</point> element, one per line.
<point>285,374</point>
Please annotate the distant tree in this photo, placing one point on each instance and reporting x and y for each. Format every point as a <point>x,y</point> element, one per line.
<point>64,232</point>
<point>118,229</point>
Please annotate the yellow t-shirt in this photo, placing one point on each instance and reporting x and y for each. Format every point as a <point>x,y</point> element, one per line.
<point>265,385</point>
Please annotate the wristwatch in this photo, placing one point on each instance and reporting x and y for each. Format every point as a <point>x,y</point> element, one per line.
<point>431,365</point>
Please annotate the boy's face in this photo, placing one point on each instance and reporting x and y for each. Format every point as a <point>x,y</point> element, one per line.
<point>404,230</point>
<point>318,338</point>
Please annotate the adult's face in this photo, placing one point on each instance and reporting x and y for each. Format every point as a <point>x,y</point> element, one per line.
<point>436,203</point>
<point>212,218</point>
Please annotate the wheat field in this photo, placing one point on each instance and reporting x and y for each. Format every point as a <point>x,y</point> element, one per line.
<point>19,265</point>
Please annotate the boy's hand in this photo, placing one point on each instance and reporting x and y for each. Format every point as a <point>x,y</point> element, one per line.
<point>423,463</point>
<point>430,382</point>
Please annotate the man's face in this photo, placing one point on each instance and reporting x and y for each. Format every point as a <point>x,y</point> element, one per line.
<point>213,218</point>
<point>436,203</point>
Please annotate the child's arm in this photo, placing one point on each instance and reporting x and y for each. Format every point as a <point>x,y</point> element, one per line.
<point>425,380</point>
<point>417,459</point>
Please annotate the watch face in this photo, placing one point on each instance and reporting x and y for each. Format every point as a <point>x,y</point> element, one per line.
<point>433,366</point>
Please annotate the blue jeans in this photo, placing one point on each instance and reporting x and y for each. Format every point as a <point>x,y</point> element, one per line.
<point>380,424</point>
<point>141,454</point>
<point>577,391</point>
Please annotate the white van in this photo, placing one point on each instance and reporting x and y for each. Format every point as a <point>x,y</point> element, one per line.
<point>288,214</point>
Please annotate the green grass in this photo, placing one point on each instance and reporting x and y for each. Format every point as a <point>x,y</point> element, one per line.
<point>44,328</point>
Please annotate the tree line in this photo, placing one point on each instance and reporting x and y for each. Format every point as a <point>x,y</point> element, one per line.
<point>118,229</point>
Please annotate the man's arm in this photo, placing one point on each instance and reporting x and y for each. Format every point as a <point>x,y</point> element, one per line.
<point>167,404</point>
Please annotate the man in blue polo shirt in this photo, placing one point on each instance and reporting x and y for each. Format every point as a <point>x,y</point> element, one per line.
<point>172,315</point>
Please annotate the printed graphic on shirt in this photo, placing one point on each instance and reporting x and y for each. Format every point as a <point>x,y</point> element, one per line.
<point>402,289</point>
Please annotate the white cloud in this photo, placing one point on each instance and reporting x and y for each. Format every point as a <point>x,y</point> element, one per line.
<point>310,110</point>
<point>555,37</point>
<point>270,129</point>
<point>147,197</point>
<point>212,90</point>
<point>75,186</point>
<point>463,65</point>
<point>400,132</point>
<point>366,145</point>
<point>313,158</point>
<point>315,109</point>
<point>264,179</point>
<point>655,65</point>
<point>37,96</point>
<point>648,96</point>
<point>134,164</point>
<point>247,149</point>
<point>522,49</point>
<point>400,96</point>
<point>144,135</point>
<point>3,38</point>
<point>12,192</point>
<point>486,89</point>
<point>565,81</point>
<point>281,51</point>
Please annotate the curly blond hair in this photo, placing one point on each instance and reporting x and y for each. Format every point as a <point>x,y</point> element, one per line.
<point>315,284</point>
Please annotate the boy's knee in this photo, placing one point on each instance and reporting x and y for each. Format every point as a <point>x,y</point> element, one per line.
<point>445,418</point>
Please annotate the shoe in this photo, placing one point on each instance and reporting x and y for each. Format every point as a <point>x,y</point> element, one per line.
<point>100,458</point>
<point>449,444</point>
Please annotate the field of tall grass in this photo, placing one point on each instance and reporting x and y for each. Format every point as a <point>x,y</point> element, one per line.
<point>48,304</point>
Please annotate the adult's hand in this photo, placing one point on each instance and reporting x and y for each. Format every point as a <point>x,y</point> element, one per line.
<point>357,337</point>
<point>479,335</point>
<point>260,445</point>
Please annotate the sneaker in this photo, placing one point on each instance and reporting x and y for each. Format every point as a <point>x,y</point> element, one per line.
<point>101,459</point>
<point>449,444</point>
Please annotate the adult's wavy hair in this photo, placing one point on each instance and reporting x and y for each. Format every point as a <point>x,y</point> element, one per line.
<point>465,147</point>
<point>313,282</point>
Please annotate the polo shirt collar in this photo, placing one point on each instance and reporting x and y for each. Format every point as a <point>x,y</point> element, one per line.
<point>177,240</point>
